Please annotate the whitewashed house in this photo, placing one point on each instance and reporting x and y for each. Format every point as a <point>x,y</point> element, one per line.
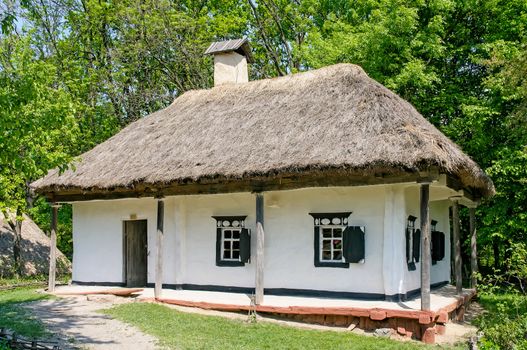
<point>351,186</point>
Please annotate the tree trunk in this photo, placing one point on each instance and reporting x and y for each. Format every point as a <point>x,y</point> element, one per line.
<point>496,250</point>
<point>16,245</point>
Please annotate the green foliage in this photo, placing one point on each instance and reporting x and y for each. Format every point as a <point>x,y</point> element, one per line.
<point>71,76</point>
<point>40,214</point>
<point>37,122</point>
<point>178,330</point>
<point>504,325</point>
<point>513,278</point>
<point>15,317</point>
<point>4,345</point>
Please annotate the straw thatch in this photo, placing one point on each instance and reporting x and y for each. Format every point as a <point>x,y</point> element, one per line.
<point>34,250</point>
<point>331,118</point>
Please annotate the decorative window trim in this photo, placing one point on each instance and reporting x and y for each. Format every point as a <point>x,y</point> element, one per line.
<point>232,223</point>
<point>412,235</point>
<point>352,241</point>
<point>331,219</point>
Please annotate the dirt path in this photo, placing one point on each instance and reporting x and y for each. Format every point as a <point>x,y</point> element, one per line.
<point>76,324</point>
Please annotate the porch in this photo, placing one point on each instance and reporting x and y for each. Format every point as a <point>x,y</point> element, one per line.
<point>403,317</point>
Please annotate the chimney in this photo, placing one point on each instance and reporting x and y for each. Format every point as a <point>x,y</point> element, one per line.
<point>230,61</point>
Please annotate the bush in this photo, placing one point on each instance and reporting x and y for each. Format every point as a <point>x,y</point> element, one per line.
<point>504,326</point>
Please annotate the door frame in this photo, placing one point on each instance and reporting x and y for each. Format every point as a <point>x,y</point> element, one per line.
<point>125,247</point>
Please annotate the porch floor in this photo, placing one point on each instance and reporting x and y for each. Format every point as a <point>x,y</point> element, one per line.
<point>443,298</point>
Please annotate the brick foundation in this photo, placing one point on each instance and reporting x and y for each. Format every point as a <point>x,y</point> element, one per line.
<point>415,324</point>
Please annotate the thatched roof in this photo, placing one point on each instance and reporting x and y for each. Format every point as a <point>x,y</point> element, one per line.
<point>331,118</point>
<point>34,252</point>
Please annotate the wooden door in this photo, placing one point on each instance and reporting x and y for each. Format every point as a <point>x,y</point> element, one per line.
<point>135,253</point>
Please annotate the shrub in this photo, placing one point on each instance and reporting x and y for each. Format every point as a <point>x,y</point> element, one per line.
<point>504,326</point>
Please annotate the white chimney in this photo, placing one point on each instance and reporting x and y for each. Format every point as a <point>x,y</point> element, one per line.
<point>230,61</point>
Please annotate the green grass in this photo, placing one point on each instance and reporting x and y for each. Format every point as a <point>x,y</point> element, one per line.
<point>14,317</point>
<point>511,304</point>
<point>32,280</point>
<point>179,330</point>
<point>504,325</point>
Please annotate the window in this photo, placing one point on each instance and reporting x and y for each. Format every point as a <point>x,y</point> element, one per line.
<point>230,246</point>
<point>413,243</point>
<point>336,243</point>
<point>233,241</point>
<point>331,244</point>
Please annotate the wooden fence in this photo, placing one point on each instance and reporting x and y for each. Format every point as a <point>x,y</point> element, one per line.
<point>12,341</point>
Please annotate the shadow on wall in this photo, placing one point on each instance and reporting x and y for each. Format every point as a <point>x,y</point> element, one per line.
<point>34,250</point>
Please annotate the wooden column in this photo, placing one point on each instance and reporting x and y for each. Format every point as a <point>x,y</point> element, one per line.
<point>457,246</point>
<point>425,247</point>
<point>473,248</point>
<point>53,248</point>
<point>260,235</point>
<point>159,248</point>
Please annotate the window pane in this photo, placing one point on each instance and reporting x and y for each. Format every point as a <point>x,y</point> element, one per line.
<point>326,244</point>
<point>236,245</point>
<point>227,233</point>
<point>337,244</point>
<point>235,254</point>
<point>337,232</point>
<point>326,255</point>
<point>236,234</point>
<point>227,254</point>
<point>226,245</point>
<point>326,232</point>
<point>337,255</point>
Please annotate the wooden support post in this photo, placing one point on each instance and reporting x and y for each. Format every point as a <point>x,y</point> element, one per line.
<point>159,248</point>
<point>457,247</point>
<point>473,248</point>
<point>53,248</point>
<point>260,235</point>
<point>425,247</point>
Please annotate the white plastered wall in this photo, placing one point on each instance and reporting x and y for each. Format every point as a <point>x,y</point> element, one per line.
<point>98,237</point>
<point>190,239</point>
<point>290,239</point>
<point>439,211</point>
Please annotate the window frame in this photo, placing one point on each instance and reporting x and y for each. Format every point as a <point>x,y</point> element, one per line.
<point>331,239</point>
<point>226,223</point>
<point>231,240</point>
<point>329,220</point>
<point>409,237</point>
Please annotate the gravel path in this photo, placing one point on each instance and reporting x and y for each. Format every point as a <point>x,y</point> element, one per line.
<point>76,324</point>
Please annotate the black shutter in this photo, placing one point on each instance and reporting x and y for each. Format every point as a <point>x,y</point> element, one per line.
<point>417,245</point>
<point>435,246</point>
<point>245,246</point>
<point>316,244</point>
<point>354,244</point>
<point>408,233</point>
<point>346,243</point>
<point>438,245</point>
<point>441,240</point>
<point>218,246</point>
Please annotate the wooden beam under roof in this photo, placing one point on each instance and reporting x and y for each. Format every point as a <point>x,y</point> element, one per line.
<point>224,185</point>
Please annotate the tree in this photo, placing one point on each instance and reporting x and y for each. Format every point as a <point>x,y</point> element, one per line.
<point>37,123</point>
